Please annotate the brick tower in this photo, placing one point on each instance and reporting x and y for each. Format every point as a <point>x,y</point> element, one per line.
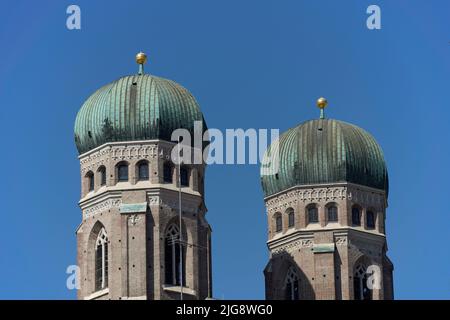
<point>131,242</point>
<point>326,207</point>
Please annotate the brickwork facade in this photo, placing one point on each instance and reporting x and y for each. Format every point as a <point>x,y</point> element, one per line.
<point>136,215</point>
<point>326,254</point>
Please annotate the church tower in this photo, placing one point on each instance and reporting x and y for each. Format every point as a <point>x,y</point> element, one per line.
<point>326,205</point>
<point>133,243</point>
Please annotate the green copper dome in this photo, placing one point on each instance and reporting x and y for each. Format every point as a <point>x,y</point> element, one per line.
<point>324,151</point>
<point>136,107</point>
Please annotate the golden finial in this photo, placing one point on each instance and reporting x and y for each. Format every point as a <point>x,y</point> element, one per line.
<point>141,59</point>
<point>322,104</point>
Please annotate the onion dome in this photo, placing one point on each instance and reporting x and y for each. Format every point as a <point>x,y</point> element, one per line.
<point>323,151</point>
<point>135,107</point>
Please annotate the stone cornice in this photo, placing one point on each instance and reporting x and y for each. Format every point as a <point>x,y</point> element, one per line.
<point>99,198</point>
<point>342,237</point>
<point>289,244</point>
<point>191,203</point>
<point>126,186</point>
<point>125,144</point>
<point>102,206</point>
<point>324,185</point>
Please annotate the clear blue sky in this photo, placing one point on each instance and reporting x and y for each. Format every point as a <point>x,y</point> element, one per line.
<point>250,64</point>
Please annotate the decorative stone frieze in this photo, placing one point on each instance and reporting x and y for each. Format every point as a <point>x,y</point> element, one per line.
<point>293,246</point>
<point>101,207</point>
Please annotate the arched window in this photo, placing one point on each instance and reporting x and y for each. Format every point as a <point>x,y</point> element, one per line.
<point>184,176</point>
<point>332,213</point>
<point>370,220</point>
<point>168,172</point>
<point>173,265</point>
<point>356,216</point>
<point>102,175</point>
<point>101,260</point>
<point>90,180</point>
<point>278,222</point>
<point>360,288</point>
<point>291,217</point>
<point>313,215</point>
<point>142,171</point>
<point>122,172</point>
<point>201,183</point>
<point>291,285</point>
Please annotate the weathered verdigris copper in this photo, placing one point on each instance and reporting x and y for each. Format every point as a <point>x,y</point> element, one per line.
<point>136,107</point>
<point>326,151</point>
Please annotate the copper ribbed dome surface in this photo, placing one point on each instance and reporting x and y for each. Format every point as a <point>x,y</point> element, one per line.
<point>136,107</point>
<point>325,151</point>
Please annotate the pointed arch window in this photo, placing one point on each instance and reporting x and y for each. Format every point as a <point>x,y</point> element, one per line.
<point>291,285</point>
<point>175,271</point>
<point>360,288</point>
<point>101,260</point>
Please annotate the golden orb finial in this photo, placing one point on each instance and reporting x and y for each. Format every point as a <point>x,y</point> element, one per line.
<point>322,104</point>
<point>141,58</point>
